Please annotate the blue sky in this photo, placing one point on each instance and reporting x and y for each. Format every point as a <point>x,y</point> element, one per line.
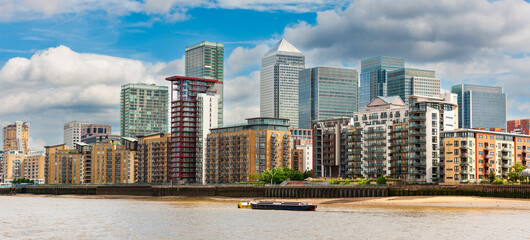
<point>64,60</point>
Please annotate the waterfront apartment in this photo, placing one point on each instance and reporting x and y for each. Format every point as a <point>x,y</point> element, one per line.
<point>470,154</point>
<point>143,109</point>
<point>33,166</point>
<point>16,137</point>
<point>326,92</point>
<point>233,153</point>
<point>279,88</point>
<point>12,165</point>
<point>388,139</point>
<point>195,109</point>
<point>301,136</point>
<point>480,106</point>
<point>153,158</point>
<point>105,162</point>
<point>307,155</point>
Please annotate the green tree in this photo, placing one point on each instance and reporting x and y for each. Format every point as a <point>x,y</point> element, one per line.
<point>381,180</point>
<point>308,174</point>
<point>515,172</point>
<point>492,175</point>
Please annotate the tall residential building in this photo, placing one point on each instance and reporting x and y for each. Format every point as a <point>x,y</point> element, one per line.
<point>329,147</point>
<point>206,60</point>
<point>16,137</point>
<point>519,126</point>
<point>13,161</point>
<point>94,130</point>
<point>236,152</point>
<point>301,136</point>
<point>279,86</point>
<point>408,81</point>
<point>153,156</point>
<point>471,154</point>
<point>33,166</point>
<point>143,109</point>
<point>195,108</point>
<point>374,78</point>
<point>325,93</point>
<point>480,106</point>
<point>72,133</point>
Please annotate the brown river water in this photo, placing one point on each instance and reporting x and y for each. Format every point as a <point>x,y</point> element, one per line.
<point>37,217</point>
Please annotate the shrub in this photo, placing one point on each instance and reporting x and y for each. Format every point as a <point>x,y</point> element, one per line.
<point>347,182</point>
<point>498,181</point>
<point>334,181</point>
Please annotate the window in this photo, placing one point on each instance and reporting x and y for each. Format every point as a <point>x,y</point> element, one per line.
<point>481,144</point>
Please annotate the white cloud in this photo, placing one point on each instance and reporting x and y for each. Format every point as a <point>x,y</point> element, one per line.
<point>244,58</point>
<point>241,96</point>
<point>58,85</point>
<point>170,10</point>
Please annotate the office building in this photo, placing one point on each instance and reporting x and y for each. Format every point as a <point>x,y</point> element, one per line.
<point>374,78</point>
<point>143,109</point>
<point>519,126</point>
<point>472,154</point>
<point>72,133</point>
<point>153,158</point>
<point>408,82</point>
<point>94,130</point>
<point>325,93</point>
<point>481,106</point>
<point>233,153</point>
<point>195,109</point>
<point>279,88</point>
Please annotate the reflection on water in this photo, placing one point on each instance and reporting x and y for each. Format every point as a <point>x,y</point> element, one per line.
<point>34,217</point>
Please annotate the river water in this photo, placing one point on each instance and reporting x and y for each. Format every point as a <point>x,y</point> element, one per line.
<point>36,217</point>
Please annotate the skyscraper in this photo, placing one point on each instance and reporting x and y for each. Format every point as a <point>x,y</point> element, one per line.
<point>279,82</point>
<point>16,137</point>
<point>143,109</point>
<point>72,133</point>
<point>374,78</point>
<point>480,106</point>
<point>325,93</point>
<point>195,109</point>
<point>407,82</point>
<point>206,60</point>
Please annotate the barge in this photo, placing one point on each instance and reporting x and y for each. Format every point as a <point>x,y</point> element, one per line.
<point>292,206</point>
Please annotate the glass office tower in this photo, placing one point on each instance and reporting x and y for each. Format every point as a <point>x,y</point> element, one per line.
<point>407,82</point>
<point>206,60</point>
<point>325,93</point>
<point>480,106</point>
<point>373,81</point>
<point>279,82</point>
<point>143,109</point>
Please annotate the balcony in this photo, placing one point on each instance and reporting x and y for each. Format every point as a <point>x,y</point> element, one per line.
<point>488,148</point>
<point>466,147</point>
<point>506,158</point>
<point>464,155</point>
<point>505,149</point>
<point>465,172</point>
<point>464,164</point>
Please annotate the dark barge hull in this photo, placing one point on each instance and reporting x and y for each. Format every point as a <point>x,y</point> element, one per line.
<point>283,206</point>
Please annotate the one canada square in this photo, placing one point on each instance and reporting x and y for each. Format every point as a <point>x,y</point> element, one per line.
<point>279,82</point>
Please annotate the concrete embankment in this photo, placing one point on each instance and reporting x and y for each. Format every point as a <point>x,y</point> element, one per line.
<point>509,191</point>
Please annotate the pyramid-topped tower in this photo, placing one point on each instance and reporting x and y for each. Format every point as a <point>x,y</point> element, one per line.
<point>279,82</point>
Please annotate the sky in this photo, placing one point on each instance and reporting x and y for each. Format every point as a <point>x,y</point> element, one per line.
<point>65,60</point>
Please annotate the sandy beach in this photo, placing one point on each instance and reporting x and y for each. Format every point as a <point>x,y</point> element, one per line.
<point>416,202</point>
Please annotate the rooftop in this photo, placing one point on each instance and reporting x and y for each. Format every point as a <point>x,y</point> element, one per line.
<point>283,46</point>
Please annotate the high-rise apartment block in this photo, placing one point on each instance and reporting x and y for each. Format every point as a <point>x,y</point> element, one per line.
<point>143,109</point>
<point>206,60</point>
<point>301,136</point>
<point>33,166</point>
<point>195,109</point>
<point>326,92</point>
<point>13,161</point>
<point>472,154</point>
<point>16,137</point>
<point>279,86</point>
<point>153,158</point>
<point>519,126</point>
<point>407,82</point>
<point>388,139</point>
<point>233,153</point>
<point>374,78</point>
<point>481,106</point>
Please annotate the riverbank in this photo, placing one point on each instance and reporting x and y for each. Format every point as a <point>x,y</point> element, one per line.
<point>410,202</point>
